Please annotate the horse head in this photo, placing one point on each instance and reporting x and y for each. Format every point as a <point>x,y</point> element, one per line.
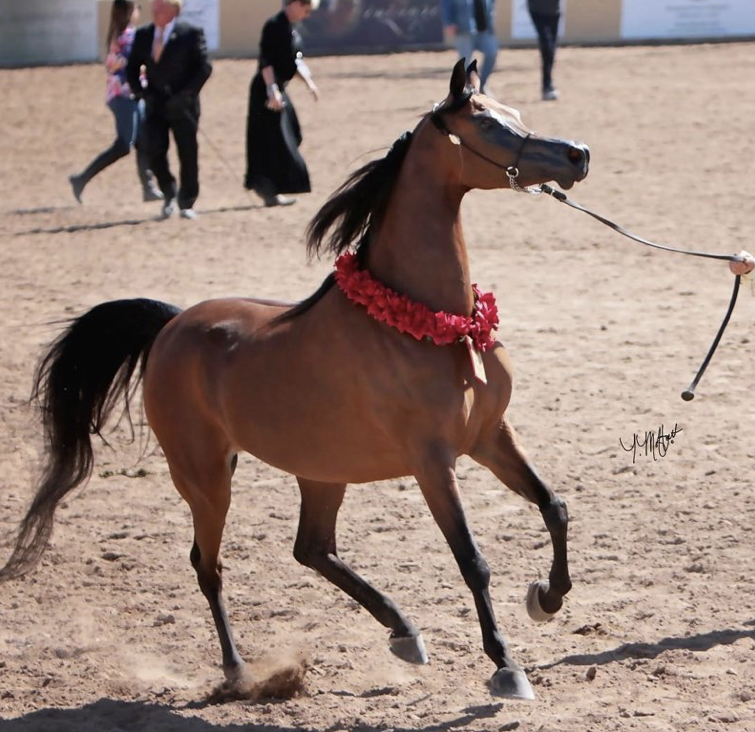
<point>494,147</point>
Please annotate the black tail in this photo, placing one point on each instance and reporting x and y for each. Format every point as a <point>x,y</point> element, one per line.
<point>78,382</point>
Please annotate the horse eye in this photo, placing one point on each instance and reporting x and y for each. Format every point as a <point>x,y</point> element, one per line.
<point>486,124</point>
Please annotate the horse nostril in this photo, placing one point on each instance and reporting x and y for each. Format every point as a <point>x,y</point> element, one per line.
<point>577,155</point>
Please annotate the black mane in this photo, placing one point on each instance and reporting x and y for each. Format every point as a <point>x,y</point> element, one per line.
<point>358,203</point>
<point>350,213</point>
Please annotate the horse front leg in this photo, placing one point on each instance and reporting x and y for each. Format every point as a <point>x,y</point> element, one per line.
<point>499,452</point>
<point>315,547</point>
<point>437,480</point>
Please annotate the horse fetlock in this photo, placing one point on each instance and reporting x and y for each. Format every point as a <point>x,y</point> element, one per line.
<point>496,648</point>
<point>542,601</point>
<point>560,587</point>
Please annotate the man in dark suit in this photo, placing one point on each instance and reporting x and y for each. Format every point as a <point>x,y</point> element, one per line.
<point>174,55</point>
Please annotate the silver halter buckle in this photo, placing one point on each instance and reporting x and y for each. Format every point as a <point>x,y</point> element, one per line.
<point>513,173</point>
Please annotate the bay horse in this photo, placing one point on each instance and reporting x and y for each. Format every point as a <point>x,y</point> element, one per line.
<point>322,389</point>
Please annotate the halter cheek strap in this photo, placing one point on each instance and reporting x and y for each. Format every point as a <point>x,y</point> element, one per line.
<point>512,171</point>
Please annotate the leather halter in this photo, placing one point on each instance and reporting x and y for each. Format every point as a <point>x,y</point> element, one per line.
<point>512,171</point>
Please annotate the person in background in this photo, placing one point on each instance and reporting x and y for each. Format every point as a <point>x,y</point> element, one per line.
<point>122,103</point>
<point>545,15</point>
<point>274,165</point>
<point>471,26</point>
<point>174,56</point>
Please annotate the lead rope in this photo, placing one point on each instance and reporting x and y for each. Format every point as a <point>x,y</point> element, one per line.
<point>689,393</point>
<point>512,172</point>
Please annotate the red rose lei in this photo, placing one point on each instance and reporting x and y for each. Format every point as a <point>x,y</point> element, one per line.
<point>414,318</point>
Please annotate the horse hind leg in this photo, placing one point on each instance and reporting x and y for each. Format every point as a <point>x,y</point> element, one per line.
<point>315,547</point>
<point>206,487</point>
<point>500,453</point>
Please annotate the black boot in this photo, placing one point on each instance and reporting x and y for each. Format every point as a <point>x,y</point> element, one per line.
<point>119,149</point>
<point>77,183</point>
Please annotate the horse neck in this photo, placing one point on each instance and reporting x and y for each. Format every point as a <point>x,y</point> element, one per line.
<point>418,249</point>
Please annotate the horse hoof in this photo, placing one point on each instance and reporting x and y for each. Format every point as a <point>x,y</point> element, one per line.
<point>511,684</point>
<point>409,648</point>
<point>534,608</point>
<point>237,673</point>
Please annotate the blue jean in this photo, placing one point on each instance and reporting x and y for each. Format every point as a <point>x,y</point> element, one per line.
<point>128,114</point>
<point>486,43</point>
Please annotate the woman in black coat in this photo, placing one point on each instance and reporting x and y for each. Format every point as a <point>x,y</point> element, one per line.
<point>274,165</point>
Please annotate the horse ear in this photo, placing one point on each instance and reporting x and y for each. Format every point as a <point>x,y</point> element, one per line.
<point>458,79</point>
<point>473,76</point>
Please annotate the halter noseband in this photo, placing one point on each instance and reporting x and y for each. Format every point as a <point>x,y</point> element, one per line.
<point>512,171</point>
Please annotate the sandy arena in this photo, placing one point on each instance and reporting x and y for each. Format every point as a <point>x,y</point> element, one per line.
<point>111,632</point>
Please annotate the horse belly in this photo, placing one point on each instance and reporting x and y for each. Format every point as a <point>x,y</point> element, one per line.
<point>328,445</point>
<point>339,423</point>
<point>316,423</point>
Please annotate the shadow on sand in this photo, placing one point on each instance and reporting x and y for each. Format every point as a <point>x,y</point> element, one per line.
<point>697,643</point>
<point>43,209</point>
<point>73,228</point>
<point>107,715</point>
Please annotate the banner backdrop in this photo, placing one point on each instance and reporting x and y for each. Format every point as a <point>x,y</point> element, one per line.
<point>364,25</point>
<point>521,23</point>
<point>206,15</point>
<point>47,31</point>
<point>687,18</point>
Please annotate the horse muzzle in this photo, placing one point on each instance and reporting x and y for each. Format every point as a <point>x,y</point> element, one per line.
<point>577,165</point>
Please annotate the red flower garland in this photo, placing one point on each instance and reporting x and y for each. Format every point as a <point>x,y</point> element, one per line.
<point>414,318</point>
